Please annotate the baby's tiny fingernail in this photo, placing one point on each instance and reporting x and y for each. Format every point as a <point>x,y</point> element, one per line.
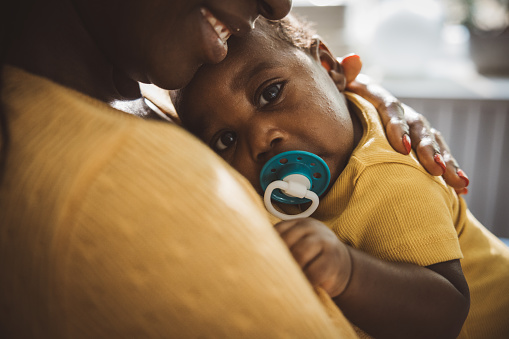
<point>407,143</point>
<point>440,161</point>
<point>463,176</point>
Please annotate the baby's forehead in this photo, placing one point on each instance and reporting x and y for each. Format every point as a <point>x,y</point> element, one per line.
<point>261,47</point>
<point>263,37</point>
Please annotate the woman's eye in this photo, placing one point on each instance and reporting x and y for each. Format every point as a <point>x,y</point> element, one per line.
<point>269,94</point>
<point>225,140</point>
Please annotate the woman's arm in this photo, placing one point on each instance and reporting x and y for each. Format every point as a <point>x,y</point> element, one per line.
<point>401,121</point>
<point>385,299</point>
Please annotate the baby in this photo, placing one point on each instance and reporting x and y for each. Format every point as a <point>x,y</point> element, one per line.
<point>387,238</point>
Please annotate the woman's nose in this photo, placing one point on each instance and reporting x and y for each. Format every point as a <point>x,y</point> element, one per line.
<point>274,9</point>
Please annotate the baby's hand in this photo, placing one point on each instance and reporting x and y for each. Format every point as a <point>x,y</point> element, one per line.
<point>322,257</point>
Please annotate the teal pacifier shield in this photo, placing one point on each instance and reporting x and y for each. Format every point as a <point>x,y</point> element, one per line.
<point>295,162</point>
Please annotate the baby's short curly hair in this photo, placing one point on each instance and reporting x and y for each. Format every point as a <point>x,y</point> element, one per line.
<point>292,29</point>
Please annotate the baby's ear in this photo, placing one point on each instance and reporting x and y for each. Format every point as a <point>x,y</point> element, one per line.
<point>321,52</point>
<point>343,70</point>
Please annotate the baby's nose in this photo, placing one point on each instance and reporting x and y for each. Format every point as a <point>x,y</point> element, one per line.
<point>266,144</point>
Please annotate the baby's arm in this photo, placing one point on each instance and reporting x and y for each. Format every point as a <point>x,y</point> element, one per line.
<point>385,299</point>
<point>405,300</point>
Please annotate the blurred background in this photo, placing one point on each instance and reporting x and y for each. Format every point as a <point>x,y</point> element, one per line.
<point>447,59</point>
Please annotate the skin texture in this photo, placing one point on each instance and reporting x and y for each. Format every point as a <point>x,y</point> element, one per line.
<point>104,48</point>
<point>111,45</point>
<point>141,35</point>
<point>304,113</point>
<point>400,121</point>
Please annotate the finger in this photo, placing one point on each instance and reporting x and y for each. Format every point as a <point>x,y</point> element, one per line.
<point>305,250</point>
<point>318,273</point>
<point>423,142</point>
<point>318,269</point>
<point>293,230</point>
<point>330,273</point>
<point>391,113</point>
<point>462,192</point>
<point>453,176</point>
<point>396,128</point>
<point>427,152</point>
<point>282,226</point>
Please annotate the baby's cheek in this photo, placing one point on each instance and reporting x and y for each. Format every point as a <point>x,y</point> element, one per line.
<point>255,182</point>
<point>254,179</point>
<point>249,172</point>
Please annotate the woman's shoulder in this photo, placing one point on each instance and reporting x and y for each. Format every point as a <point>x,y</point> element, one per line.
<point>143,217</point>
<point>99,153</point>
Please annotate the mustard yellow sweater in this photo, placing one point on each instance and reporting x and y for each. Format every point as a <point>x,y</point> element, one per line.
<point>386,204</point>
<point>115,227</point>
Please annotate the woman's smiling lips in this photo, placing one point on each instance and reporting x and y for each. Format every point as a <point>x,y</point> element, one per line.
<point>222,31</point>
<point>215,36</point>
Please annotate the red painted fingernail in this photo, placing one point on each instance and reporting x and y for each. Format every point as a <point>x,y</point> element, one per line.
<point>463,176</point>
<point>464,192</point>
<point>407,143</point>
<point>440,161</point>
<point>351,56</point>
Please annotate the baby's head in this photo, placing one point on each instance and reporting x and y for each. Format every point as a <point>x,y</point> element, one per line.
<point>277,90</point>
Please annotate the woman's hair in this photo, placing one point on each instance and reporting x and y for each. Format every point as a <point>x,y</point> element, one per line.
<point>12,14</point>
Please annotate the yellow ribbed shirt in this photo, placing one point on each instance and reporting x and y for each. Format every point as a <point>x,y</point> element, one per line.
<point>116,227</point>
<point>385,203</point>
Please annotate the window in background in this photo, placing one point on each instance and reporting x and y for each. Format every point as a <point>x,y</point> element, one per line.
<point>422,51</point>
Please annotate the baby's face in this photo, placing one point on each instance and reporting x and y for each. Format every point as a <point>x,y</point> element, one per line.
<point>266,98</point>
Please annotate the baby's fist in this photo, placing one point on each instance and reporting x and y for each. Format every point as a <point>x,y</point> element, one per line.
<point>323,258</point>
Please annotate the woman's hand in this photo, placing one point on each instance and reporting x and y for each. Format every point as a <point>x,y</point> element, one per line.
<point>408,129</point>
<point>322,257</point>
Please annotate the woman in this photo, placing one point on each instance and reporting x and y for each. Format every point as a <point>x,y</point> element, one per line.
<point>113,226</point>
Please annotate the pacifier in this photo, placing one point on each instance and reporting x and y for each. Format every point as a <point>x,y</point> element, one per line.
<point>294,177</point>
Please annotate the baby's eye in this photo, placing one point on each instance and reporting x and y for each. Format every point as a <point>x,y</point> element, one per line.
<point>269,94</point>
<point>225,140</point>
